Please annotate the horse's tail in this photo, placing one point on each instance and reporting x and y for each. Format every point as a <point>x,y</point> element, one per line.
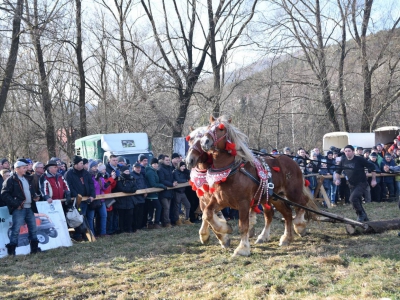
<point>310,203</point>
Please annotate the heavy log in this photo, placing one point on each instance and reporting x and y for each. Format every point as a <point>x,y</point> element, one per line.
<point>374,227</point>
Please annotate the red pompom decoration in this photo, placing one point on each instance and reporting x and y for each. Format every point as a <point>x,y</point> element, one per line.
<point>188,138</point>
<point>212,190</point>
<point>306,183</point>
<point>206,187</point>
<point>221,126</point>
<point>256,210</point>
<point>190,182</point>
<point>276,169</point>
<point>199,193</point>
<point>231,148</point>
<point>223,179</point>
<point>267,206</point>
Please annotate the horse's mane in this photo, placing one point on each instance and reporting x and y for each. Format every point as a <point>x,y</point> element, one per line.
<point>193,134</point>
<point>240,140</point>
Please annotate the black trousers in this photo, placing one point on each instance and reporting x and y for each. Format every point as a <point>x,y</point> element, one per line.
<point>138,216</point>
<point>356,193</point>
<point>125,219</point>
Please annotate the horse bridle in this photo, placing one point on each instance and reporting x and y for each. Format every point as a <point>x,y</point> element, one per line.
<point>197,137</point>
<point>213,133</point>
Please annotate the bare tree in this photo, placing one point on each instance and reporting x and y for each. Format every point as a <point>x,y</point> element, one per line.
<point>370,62</point>
<point>13,54</point>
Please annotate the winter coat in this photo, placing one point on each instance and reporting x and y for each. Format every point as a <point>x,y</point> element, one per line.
<point>167,179</point>
<point>153,181</point>
<point>141,184</point>
<point>80,182</point>
<point>377,169</point>
<point>13,194</point>
<point>53,187</point>
<point>125,184</point>
<point>100,186</point>
<point>387,179</point>
<point>180,177</point>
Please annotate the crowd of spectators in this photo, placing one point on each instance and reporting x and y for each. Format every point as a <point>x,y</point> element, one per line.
<point>25,182</point>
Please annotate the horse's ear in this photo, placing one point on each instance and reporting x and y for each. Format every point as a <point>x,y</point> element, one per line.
<point>212,119</point>
<point>191,128</point>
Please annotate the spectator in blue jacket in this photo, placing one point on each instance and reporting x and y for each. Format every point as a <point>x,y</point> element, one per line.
<point>153,205</point>
<point>388,181</point>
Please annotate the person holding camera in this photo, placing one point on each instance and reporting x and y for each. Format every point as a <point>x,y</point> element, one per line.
<point>97,206</point>
<point>125,205</point>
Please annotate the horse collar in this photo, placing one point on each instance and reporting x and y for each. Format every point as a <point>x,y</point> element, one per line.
<point>198,177</point>
<point>216,176</point>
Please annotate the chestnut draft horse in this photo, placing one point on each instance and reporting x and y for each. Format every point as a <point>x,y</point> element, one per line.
<point>233,182</point>
<point>199,162</point>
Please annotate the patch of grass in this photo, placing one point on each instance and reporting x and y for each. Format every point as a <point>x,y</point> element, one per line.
<point>173,264</point>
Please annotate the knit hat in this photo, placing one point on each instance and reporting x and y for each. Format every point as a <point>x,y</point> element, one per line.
<point>349,147</point>
<point>3,160</point>
<point>154,161</point>
<point>137,165</point>
<point>19,164</point>
<point>388,155</point>
<point>85,161</point>
<point>77,159</point>
<point>121,159</point>
<point>373,154</point>
<point>329,152</point>
<point>286,149</point>
<point>92,164</point>
<point>102,167</point>
<point>175,155</point>
<point>124,168</point>
<point>182,163</point>
<point>161,156</point>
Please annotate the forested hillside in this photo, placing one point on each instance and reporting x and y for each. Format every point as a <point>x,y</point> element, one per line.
<point>286,71</point>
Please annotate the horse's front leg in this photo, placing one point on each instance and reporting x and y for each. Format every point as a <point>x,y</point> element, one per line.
<point>204,232</point>
<point>286,212</point>
<point>219,226</point>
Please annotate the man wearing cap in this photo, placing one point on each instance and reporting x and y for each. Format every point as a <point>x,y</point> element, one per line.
<point>80,183</point>
<point>18,194</point>
<point>359,151</point>
<point>143,160</point>
<point>286,151</point>
<point>354,168</point>
<point>53,186</point>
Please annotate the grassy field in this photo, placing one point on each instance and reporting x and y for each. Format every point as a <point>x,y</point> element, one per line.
<point>173,264</point>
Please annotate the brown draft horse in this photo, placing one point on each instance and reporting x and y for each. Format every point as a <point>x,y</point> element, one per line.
<point>198,161</point>
<point>239,191</point>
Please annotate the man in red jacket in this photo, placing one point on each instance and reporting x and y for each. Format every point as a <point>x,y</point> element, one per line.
<point>53,186</point>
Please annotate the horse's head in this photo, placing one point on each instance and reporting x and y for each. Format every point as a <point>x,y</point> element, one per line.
<point>195,153</point>
<point>216,134</point>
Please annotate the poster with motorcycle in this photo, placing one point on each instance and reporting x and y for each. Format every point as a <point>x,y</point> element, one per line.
<point>52,229</point>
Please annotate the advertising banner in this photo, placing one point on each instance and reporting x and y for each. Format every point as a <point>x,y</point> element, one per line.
<point>52,229</point>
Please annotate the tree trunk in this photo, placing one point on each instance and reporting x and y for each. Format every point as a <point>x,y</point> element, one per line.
<point>12,57</point>
<point>81,71</point>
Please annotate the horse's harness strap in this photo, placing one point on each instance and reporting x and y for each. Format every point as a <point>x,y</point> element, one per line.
<point>244,171</point>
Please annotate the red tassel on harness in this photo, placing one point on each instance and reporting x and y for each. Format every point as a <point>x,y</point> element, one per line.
<point>221,126</point>
<point>267,206</point>
<point>276,169</point>
<point>254,207</point>
<point>306,183</point>
<point>206,187</point>
<point>212,190</point>
<point>188,138</point>
<point>199,193</point>
<point>231,148</point>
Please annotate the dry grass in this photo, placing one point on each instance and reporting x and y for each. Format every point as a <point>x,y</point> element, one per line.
<point>173,264</point>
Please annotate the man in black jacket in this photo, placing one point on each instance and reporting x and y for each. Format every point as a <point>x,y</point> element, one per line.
<point>80,182</point>
<point>166,196</point>
<point>354,168</point>
<point>18,194</point>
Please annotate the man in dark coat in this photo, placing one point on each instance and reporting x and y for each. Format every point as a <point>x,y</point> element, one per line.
<point>166,196</point>
<point>139,200</point>
<point>18,194</point>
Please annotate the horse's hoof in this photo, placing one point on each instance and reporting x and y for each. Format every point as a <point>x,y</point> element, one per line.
<point>226,244</point>
<point>300,230</point>
<point>241,252</point>
<point>205,241</point>
<point>252,233</point>
<point>284,241</point>
<point>259,241</point>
